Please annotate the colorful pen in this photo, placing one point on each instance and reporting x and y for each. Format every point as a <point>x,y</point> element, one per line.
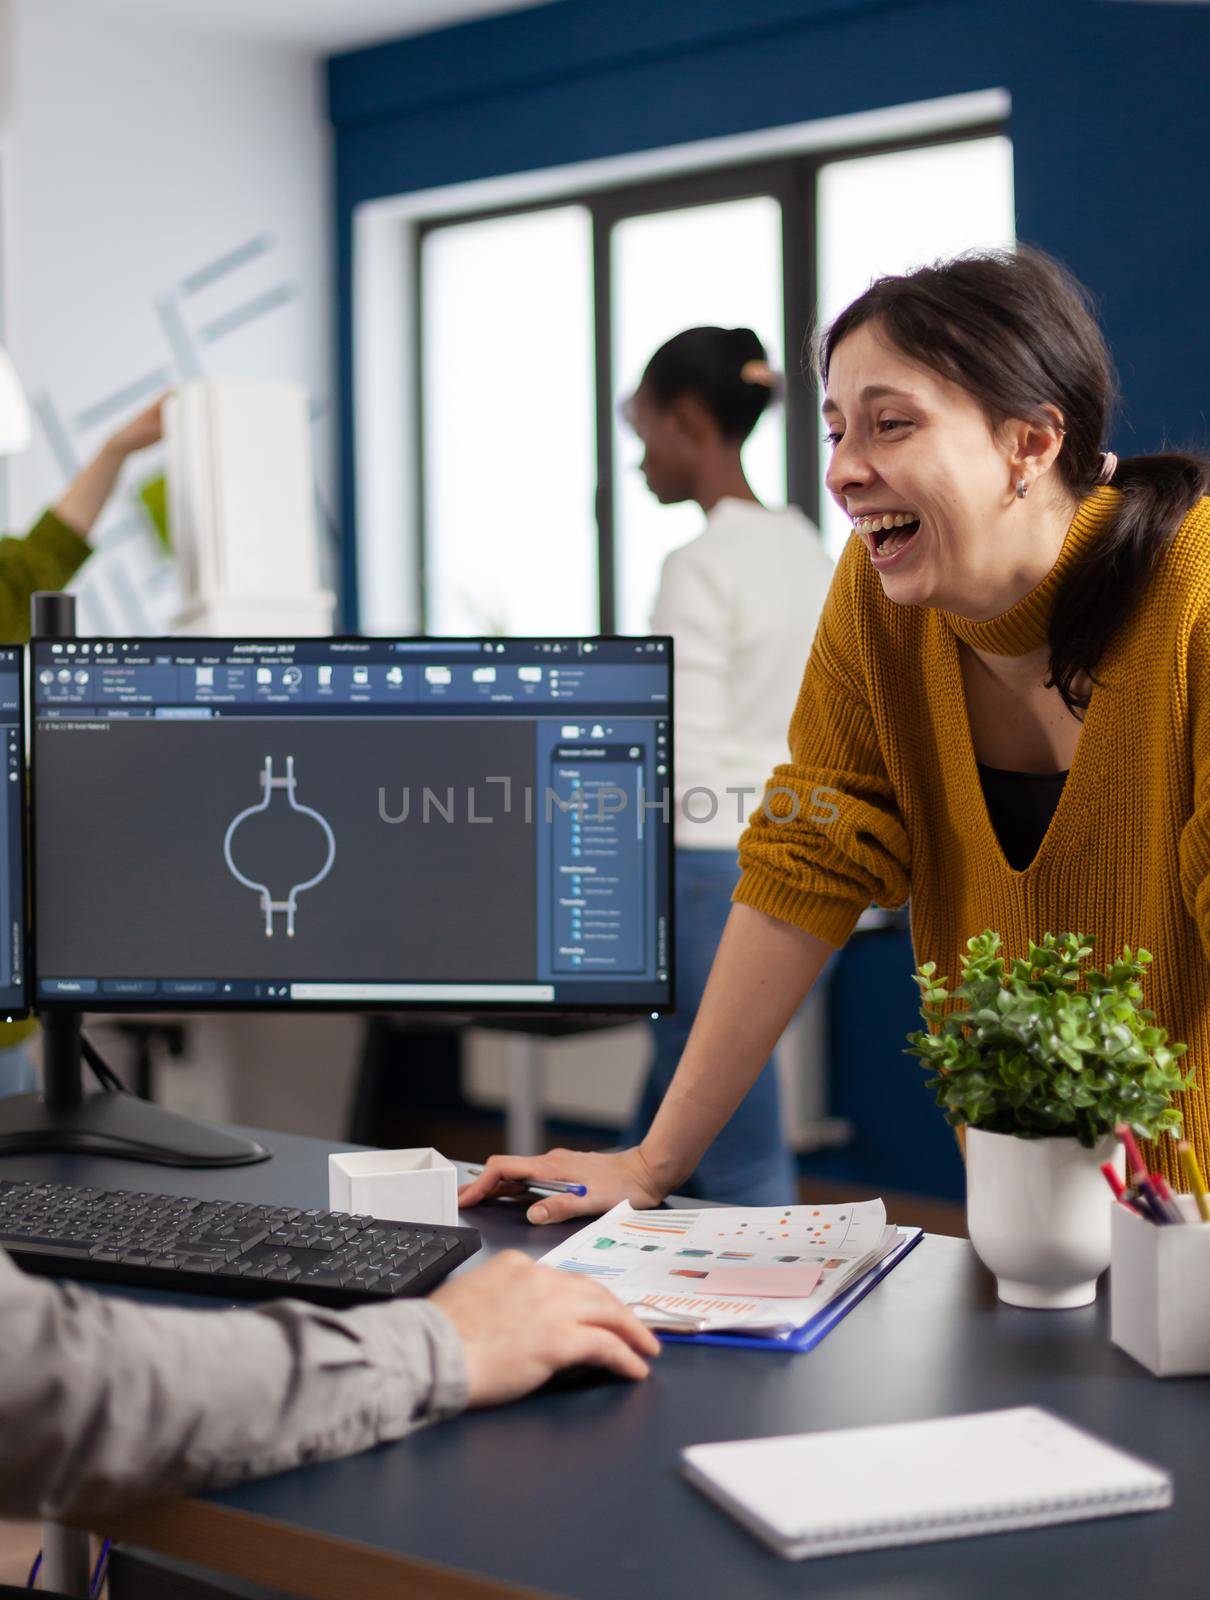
<point>548,1186</point>
<point>1143,1184</point>
<point>1121,1192</point>
<point>1112,1179</point>
<point>1149,1195</point>
<point>1193,1174</point>
<point>1167,1199</point>
<point>1134,1156</point>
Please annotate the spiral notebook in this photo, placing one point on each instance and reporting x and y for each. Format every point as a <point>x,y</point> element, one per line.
<point>822,1494</point>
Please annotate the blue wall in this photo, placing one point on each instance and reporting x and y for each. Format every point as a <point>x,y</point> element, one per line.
<point>1110,146</point>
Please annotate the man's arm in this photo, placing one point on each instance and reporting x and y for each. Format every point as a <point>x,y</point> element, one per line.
<point>105,1403</point>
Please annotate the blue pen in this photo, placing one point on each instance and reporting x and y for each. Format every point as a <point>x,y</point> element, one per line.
<point>551,1186</point>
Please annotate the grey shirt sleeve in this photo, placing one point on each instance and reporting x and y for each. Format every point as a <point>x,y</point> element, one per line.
<point>105,1403</point>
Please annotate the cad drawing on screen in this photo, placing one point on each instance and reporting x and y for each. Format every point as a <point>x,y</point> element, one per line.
<point>268,905</point>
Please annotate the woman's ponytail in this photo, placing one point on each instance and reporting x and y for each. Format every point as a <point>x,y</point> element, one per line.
<point>1099,593</point>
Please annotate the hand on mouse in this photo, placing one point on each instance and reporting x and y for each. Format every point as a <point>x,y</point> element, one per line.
<point>520,1323</point>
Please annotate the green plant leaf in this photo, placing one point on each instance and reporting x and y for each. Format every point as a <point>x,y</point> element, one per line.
<point>1045,1044</point>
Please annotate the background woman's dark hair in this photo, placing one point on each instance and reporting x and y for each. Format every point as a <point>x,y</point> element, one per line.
<point>1017,332</point>
<point>708,363</point>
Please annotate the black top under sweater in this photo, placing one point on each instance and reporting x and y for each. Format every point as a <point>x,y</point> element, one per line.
<point>1020,805</point>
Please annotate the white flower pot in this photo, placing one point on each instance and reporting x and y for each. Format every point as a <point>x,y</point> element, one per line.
<point>1038,1212</point>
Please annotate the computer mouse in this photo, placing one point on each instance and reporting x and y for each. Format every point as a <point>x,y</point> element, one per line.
<point>582,1375</point>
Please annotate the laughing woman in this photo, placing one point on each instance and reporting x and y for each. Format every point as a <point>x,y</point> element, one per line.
<point>1009,693</point>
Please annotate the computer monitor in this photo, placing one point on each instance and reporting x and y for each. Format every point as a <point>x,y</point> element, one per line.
<point>475,825</point>
<point>14,999</point>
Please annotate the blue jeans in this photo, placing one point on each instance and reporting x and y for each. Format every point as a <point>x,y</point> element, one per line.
<point>17,1074</point>
<point>749,1164</point>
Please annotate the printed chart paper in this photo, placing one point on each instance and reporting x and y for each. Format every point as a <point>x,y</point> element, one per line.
<point>757,1269</point>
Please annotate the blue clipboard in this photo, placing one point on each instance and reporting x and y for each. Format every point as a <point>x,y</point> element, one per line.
<point>824,1320</point>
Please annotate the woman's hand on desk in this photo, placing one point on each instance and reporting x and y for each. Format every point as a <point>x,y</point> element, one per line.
<point>621,1175</point>
<point>521,1323</point>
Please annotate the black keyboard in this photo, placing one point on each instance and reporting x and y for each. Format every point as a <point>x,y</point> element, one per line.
<point>167,1241</point>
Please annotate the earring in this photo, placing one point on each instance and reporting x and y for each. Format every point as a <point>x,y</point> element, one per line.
<point>1022,488</point>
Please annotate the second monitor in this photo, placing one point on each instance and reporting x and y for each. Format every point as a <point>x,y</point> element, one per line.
<point>480,825</point>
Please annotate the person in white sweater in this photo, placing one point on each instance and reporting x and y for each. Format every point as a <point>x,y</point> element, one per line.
<point>741,602</point>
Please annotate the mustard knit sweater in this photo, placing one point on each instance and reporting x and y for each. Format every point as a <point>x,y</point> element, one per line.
<point>881,719</point>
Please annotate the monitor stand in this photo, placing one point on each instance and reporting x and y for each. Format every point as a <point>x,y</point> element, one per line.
<point>108,1122</point>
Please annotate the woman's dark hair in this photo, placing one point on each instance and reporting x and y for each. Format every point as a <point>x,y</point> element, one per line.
<point>710,363</point>
<point>1017,332</point>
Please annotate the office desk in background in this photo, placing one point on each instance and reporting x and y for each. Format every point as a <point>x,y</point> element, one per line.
<point>577,1493</point>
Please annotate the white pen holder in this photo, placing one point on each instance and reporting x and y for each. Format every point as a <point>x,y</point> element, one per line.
<point>1159,1291</point>
<point>395,1185</point>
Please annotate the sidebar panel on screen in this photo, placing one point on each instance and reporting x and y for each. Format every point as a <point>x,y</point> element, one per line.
<point>12,838</point>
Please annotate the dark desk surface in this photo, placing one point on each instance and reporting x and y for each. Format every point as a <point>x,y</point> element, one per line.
<point>577,1493</point>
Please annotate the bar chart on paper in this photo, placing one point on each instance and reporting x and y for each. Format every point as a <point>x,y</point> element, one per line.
<point>749,1269</point>
<point>696,1305</point>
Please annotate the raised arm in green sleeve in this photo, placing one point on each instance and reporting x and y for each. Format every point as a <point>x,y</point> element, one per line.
<point>47,558</point>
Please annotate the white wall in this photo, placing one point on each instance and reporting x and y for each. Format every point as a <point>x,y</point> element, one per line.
<point>164,203</point>
<point>134,155</point>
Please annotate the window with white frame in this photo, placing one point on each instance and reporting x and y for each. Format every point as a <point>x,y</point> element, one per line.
<point>536,321</point>
<point>509,457</point>
<point>929,203</point>
<point>716,266</point>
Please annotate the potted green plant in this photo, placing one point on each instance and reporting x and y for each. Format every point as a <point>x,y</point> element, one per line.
<point>1039,1060</point>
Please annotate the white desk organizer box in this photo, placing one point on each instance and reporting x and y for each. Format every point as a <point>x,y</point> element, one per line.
<point>1159,1291</point>
<point>241,506</point>
<point>395,1186</point>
